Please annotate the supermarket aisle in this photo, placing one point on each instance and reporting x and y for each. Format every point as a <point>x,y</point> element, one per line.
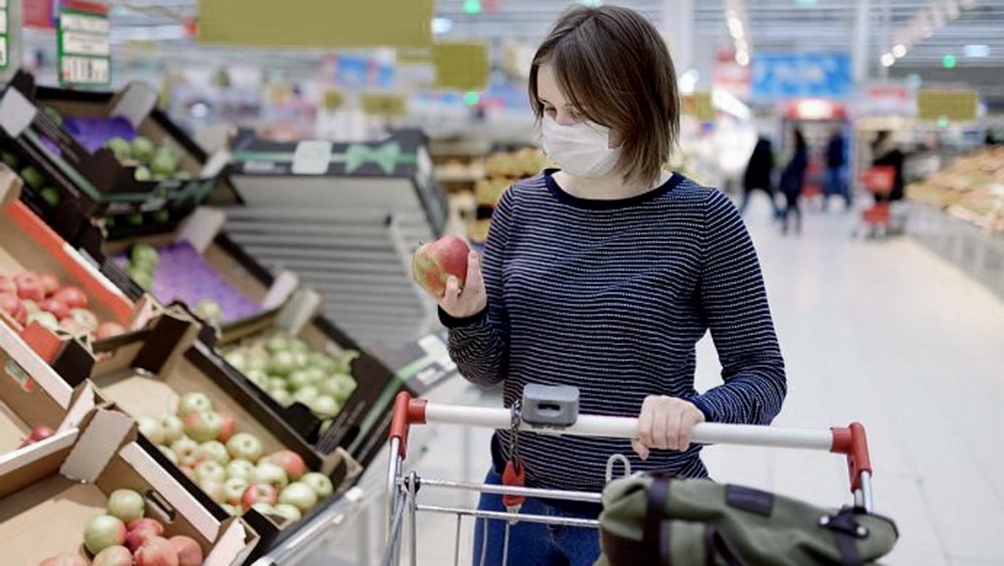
<point>881,332</point>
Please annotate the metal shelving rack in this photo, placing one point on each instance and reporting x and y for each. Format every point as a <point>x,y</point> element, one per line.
<point>346,223</point>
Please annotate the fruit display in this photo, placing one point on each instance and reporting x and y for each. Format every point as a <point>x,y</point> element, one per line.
<point>502,169</point>
<point>231,466</point>
<point>152,163</point>
<point>123,536</point>
<point>286,369</point>
<point>971,188</point>
<point>434,263</point>
<point>178,272</point>
<point>29,297</point>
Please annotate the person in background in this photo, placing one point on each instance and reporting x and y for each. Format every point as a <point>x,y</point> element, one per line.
<point>604,275</point>
<point>792,179</point>
<point>885,152</point>
<point>759,175</point>
<point>836,169</point>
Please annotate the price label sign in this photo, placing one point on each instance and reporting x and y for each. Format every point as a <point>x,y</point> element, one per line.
<point>84,44</point>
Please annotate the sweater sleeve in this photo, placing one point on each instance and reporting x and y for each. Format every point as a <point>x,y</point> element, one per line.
<point>479,345</point>
<point>734,303</point>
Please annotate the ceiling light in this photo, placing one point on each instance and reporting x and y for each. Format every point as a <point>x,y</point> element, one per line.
<point>441,25</point>
<point>948,61</point>
<point>976,51</point>
<point>735,27</point>
<point>743,58</point>
<point>888,59</point>
<point>899,51</point>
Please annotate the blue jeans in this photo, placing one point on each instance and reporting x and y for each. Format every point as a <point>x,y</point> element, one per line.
<point>532,543</point>
<point>836,184</point>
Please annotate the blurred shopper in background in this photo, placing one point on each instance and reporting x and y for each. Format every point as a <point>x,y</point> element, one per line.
<point>604,275</point>
<point>792,180</point>
<point>759,175</point>
<point>885,152</point>
<point>836,169</point>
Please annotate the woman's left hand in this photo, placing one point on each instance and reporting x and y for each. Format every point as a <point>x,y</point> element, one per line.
<point>665,423</point>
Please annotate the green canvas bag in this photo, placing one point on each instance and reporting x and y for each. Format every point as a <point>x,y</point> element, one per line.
<point>653,521</point>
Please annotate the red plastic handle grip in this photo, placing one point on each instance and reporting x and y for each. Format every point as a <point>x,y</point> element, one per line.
<point>853,442</point>
<point>407,411</point>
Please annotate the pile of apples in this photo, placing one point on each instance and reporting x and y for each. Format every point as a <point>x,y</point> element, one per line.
<point>123,536</point>
<point>29,297</point>
<point>230,466</point>
<point>287,369</point>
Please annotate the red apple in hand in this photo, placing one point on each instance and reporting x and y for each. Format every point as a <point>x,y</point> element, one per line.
<point>157,552</point>
<point>13,306</point>
<point>435,262</point>
<point>49,283</point>
<point>259,493</point>
<point>72,296</point>
<point>64,560</point>
<point>29,286</point>
<point>56,307</point>
<point>189,551</point>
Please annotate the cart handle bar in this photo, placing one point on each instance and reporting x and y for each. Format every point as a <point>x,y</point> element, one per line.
<point>850,441</point>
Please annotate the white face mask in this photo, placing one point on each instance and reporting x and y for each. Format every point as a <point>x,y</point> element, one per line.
<point>581,150</point>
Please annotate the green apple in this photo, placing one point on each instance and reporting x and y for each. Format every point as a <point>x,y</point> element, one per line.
<point>191,403</point>
<point>186,450</point>
<point>264,508</point>
<point>300,360</point>
<point>126,505</point>
<point>339,386</point>
<point>306,395</point>
<point>256,377</point>
<point>299,495</point>
<point>320,483</point>
<point>214,450</point>
<point>282,363</point>
<point>170,454</point>
<point>232,510</point>
<point>257,361</point>
<point>281,396</point>
<point>271,474</point>
<point>203,427</point>
<point>276,344</point>
<point>245,446</point>
<point>207,470</point>
<point>212,487</point>
<point>299,379</point>
<point>103,531</point>
<point>288,512</point>
<point>297,345</point>
<point>240,468</point>
<point>275,383</point>
<point>237,359</point>
<point>173,427</point>
<point>233,490</point>
<point>151,428</point>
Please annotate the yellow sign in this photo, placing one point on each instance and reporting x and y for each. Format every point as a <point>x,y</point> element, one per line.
<point>699,105</point>
<point>333,100</point>
<point>317,23</point>
<point>384,104</point>
<point>957,106</point>
<point>461,66</point>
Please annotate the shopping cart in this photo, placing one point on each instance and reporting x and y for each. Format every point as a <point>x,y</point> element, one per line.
<point>877,218</point>
<point>403,488</point>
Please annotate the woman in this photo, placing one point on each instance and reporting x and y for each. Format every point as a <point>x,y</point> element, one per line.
<point>604,275</point>
<point>758,175</point>
<point>792,179</point>
<point>886,153</point>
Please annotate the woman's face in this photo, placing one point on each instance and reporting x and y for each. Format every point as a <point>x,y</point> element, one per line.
<point>557,106</point>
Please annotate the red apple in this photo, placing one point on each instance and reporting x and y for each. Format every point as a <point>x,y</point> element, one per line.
<point>435,262</point>
<point>290,462</point>
<point>157,552</point>
<point>29,287</point>
<point>227,429</point>
<point>50,284</point>
<point>189,551</point>
<point>138,537</point>
<point>103,531</point>
<point>7,285</point>
<point>13,306</point>
<point>56,307</point>
<point>113,556</point>
<point>146,523</point>
<point>203,427</point>
<point>109,329</point>
<point>64,560</point>
<point>259,493</point>
<point>40,432</point>
<point>72,296</point>
<point>85,318</point>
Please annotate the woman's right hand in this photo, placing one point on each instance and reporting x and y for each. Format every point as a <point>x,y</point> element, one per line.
<point>472,299</point>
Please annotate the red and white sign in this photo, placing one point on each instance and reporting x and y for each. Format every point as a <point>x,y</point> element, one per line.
<point>39,14</point>
<point>731,76</point>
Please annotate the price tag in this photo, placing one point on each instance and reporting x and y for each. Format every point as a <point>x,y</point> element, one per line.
<point>84,45</point>
<point>312,157</point>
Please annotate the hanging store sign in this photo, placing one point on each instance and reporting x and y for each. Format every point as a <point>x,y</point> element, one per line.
<point>461,66</point>
<point>84,45</point>
<point>801,75</point>
<point>956,106</point>
<point>39,13</point>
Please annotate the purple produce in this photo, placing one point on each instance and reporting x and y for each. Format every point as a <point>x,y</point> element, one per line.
<point>93,133</point>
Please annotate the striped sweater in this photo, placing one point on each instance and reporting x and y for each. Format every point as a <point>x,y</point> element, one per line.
<point>612,296</point>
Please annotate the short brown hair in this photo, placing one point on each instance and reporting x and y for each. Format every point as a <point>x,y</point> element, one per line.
<point>615,68</point>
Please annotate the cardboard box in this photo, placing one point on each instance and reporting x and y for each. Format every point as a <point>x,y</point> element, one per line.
<point>55,487</point>
<point>28,244</point>
<point>150,370</point>
<point>202,233</point>
<point>91,180</point>
<point>299,320</point>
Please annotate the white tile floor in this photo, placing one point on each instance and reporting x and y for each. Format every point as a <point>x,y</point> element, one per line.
<point>882,332</point>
